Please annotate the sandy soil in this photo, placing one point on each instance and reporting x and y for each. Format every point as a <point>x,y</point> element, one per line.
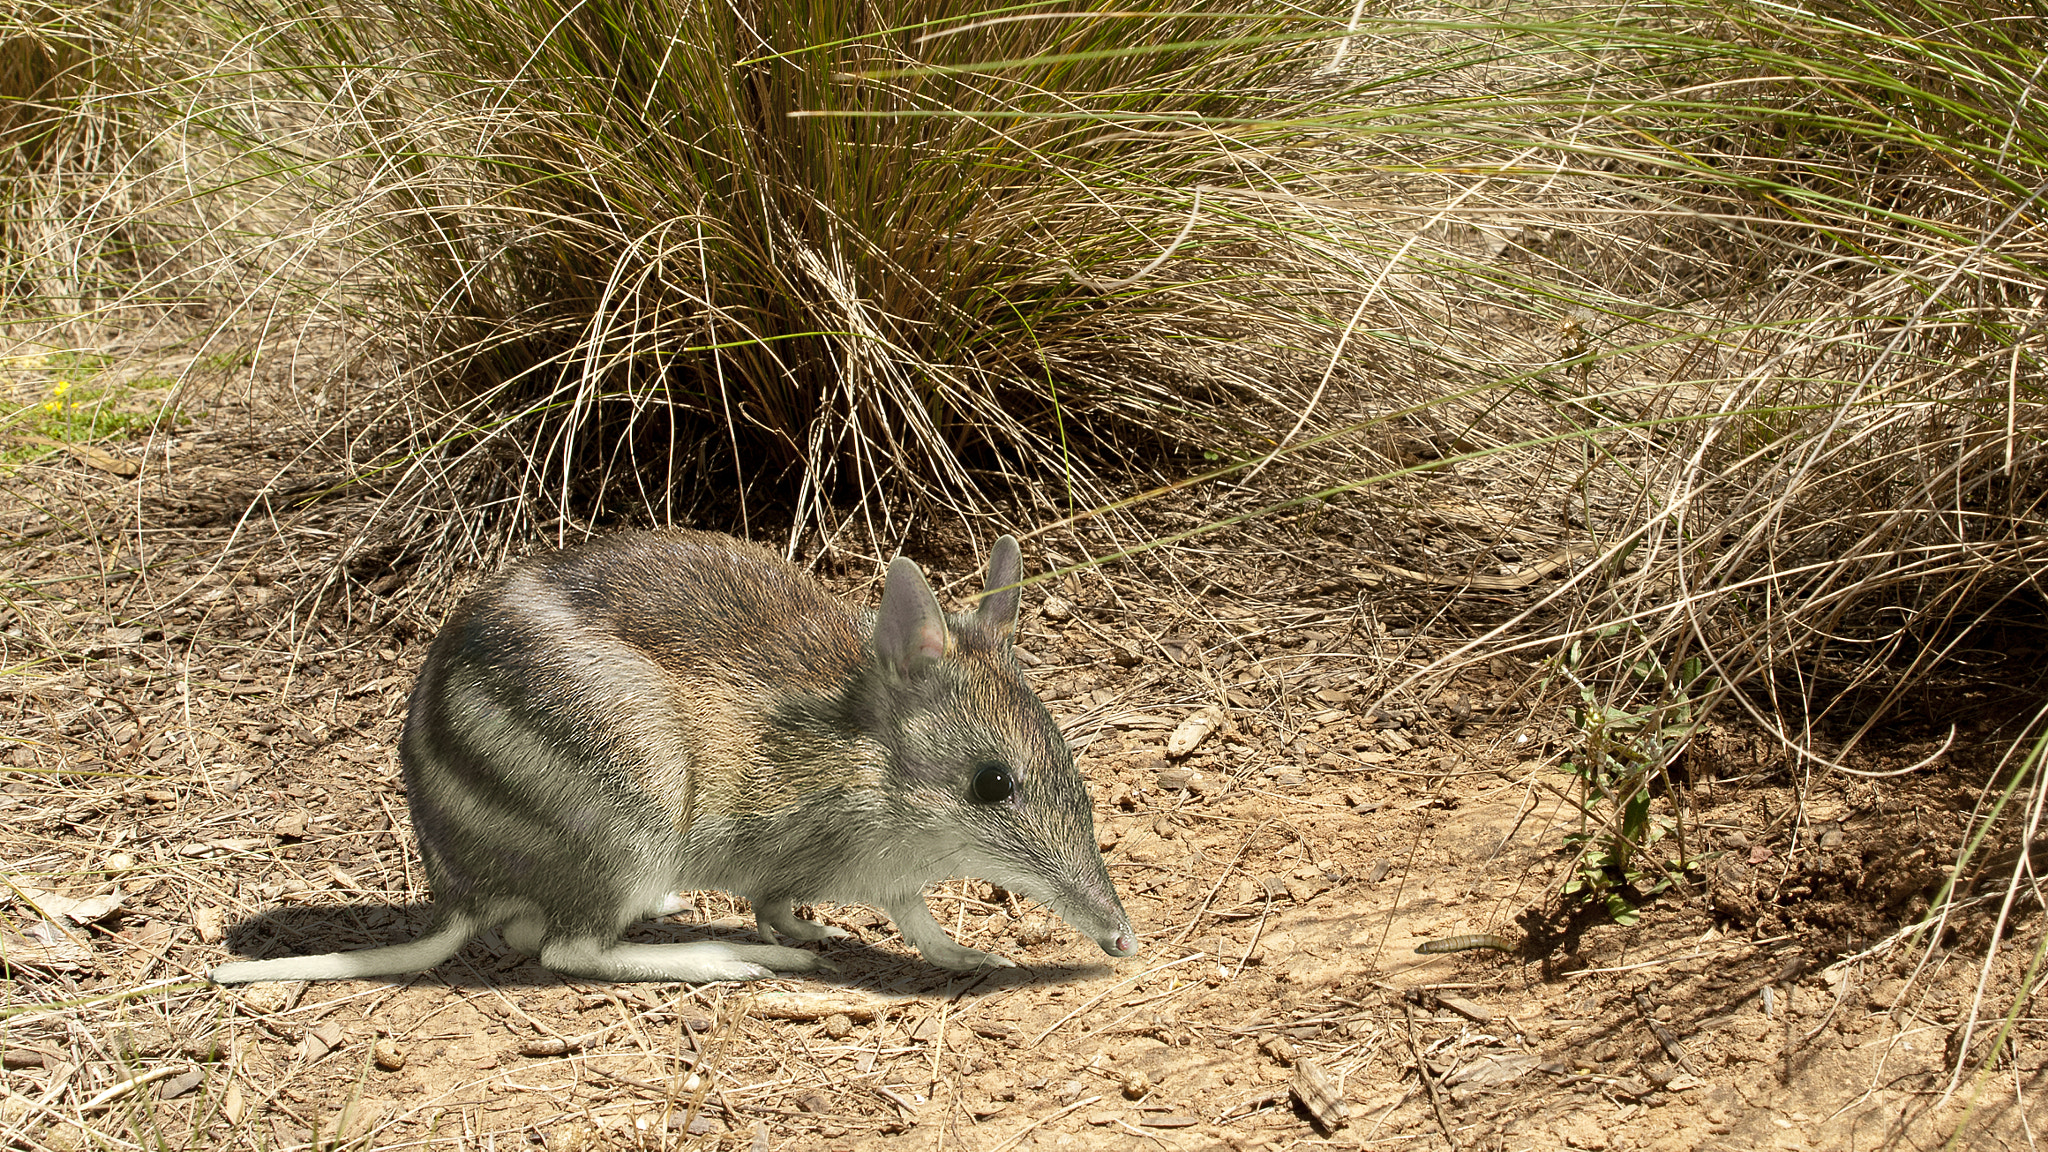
<point>206,760</point>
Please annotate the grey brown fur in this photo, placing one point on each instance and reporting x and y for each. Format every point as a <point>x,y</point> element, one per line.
<point>597,729</point>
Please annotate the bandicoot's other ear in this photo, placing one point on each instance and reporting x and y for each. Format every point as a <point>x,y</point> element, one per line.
<point>910,627</point>
<point>995,619</point>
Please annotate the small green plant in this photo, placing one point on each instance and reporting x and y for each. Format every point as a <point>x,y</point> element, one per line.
<point>66,399</point>
<point>1622,750</point>
<point>219,363</point>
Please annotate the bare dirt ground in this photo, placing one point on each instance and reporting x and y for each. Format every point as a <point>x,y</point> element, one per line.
<point>199,762</point>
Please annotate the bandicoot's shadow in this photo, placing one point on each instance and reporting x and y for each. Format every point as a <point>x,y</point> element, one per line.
<point>485,961</point>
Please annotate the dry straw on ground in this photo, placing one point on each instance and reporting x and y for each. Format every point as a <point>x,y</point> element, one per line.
<point>1651,393</point>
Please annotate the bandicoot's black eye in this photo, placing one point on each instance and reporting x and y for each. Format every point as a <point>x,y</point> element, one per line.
<point>993,783</point>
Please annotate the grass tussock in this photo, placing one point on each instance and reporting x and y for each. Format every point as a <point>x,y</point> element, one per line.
<point>74,142</point>
<point>1853,499</point>
<point>940,256</point>
<point>1794,262</point>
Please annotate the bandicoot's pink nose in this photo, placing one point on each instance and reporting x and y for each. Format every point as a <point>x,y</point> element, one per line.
<point>1124,943</point>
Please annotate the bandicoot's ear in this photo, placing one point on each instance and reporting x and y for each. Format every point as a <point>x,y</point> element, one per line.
<point>995,619</point>
<point>910,628</point>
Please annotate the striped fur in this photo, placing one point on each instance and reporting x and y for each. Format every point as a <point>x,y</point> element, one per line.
<point>599,728</point>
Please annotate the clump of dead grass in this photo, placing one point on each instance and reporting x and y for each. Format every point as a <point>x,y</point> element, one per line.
<point>80,138</point>
<point>1801,431</point>
<point>943,259</point>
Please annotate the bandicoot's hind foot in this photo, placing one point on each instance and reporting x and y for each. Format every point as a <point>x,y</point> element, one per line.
<point>699,962</point>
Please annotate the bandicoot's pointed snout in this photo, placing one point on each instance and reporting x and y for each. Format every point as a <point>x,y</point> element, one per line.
<point>1119,944</point>
<point>1100,917</point>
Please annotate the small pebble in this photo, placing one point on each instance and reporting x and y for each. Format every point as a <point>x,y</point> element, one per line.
<point>1278,1048</point>
<point>388,1055</point>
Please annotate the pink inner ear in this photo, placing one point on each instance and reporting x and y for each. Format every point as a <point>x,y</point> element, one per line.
<point>931,641</point>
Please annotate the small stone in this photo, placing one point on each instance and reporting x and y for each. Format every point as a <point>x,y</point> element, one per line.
<point>387,1055</point>
<point>180,1084</point>
<point>260,999</point>
<point>838,1026</point>
<point>1278,1048</point>
<point>320,1039</point>
<point>1303,891</point>
<point>1192,730</point>
<point>1137,1086</point>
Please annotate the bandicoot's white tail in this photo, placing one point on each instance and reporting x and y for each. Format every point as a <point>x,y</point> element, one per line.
<point>443,941</point>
